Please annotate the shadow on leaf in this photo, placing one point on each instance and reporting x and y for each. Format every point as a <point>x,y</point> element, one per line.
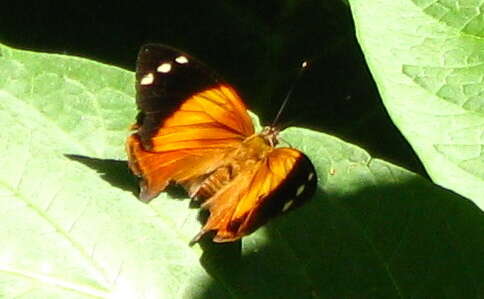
<point>118,174</point>
<point>409,240</point>
<point>115,172</point>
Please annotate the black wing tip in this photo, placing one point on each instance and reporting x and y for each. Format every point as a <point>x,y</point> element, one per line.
<point>159,50</point>
<point>298,187</point>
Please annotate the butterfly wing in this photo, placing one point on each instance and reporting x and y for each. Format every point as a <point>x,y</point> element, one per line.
<point>189,119</point>
<point>284,180</point>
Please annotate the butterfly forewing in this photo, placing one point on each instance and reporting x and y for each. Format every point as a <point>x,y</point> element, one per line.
<point>189,118</point>
<point>173,86</point>
<point>193,129</point>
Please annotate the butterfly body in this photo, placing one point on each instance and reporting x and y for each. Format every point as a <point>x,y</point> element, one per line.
<point>251,151</point>
<point>194,130</point>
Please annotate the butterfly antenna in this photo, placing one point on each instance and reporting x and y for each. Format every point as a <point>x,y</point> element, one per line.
<point>304,66</point>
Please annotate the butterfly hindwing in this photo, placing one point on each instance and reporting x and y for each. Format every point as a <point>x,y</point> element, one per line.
<point>284,180</point>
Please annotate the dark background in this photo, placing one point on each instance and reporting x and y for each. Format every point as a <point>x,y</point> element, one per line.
<point>255,45</point>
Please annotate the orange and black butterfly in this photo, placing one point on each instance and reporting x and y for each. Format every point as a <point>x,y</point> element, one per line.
<point>193,129</point>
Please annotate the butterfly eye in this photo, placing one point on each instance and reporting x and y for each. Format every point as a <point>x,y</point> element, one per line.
<point>164,68</point>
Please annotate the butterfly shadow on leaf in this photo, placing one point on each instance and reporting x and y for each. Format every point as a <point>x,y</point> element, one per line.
<point>117,174</point>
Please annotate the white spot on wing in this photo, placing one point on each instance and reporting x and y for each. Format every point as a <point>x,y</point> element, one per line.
<point>310,176</point>
<point>181,59</point>
<point>164,68</point>
<point>300,190</point>
<point>287,205</point>
<point>147,79</point>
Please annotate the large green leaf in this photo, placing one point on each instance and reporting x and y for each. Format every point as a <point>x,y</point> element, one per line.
<point>427,57</point>
<point>71,226</point>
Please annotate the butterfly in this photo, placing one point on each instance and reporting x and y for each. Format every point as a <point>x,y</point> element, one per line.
<point>193,129</point>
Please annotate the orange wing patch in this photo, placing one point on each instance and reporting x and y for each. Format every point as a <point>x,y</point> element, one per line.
<point>215,118</point>
<point>220,104</point>
<point>158,170</point>
<point>282,181</point>
<point>192,142</point>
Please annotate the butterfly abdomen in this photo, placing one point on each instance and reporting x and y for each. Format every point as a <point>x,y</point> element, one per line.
<point>250,152</point>
<point>214,182</point>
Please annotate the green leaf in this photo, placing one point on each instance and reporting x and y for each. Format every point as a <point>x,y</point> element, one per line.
<point>427,57</point>
<point>71,226</point>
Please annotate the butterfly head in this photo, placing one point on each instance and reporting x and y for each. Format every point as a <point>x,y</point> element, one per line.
<point>270,135</point>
